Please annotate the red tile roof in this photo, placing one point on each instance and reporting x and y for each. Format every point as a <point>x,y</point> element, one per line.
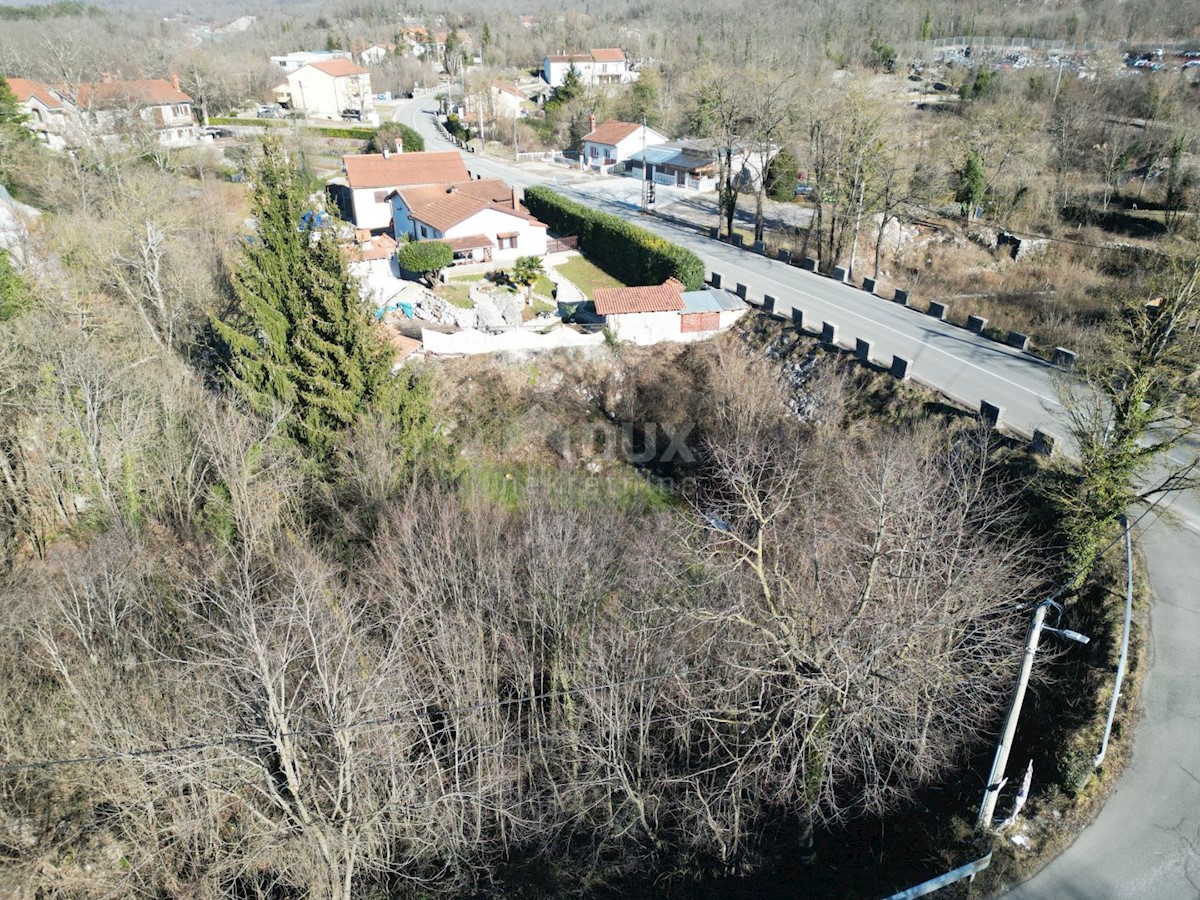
<point>610,54</point>
<point>337,68</point>
<point>470,242</point>
<point>571,58</point>
<point>381,247</point>
<point>23,89</point>
<point>150,92</point>
<point>611,133</point>
<point>371,170</point>
<point>446,205</point>
<point>665,297</point>
<point>508,89</point>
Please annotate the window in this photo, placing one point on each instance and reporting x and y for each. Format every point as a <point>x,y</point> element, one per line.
<point>507,240</point>
<point>381,196</point>
<point>283,64</point>
<point>424,232</point>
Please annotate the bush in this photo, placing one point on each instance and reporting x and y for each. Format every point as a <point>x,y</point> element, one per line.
<point>623,250</point>
<point>387,134</point>
<point>426,258</point>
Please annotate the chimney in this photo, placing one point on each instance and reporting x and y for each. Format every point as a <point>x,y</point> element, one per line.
<point>174,81</point>
<point>514,198</point>
<point>387,154</point>
<point>591,123</point>
<point>399,146</point>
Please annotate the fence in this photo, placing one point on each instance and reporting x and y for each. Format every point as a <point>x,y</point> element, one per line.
<point>993,43</point>
<point>558,245</point>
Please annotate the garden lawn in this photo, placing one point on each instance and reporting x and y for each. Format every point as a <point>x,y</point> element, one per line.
<point>586,276</point>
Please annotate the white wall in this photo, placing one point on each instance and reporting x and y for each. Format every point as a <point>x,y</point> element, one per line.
<point>323,96</point>
<point>664,327</point>
<point>530,241</point>
<point>368,212</point>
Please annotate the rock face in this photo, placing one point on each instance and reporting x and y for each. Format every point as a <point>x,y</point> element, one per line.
<point>1024,247</point>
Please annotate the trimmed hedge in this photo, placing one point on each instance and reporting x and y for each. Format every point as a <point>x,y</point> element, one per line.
<point>623,250</point>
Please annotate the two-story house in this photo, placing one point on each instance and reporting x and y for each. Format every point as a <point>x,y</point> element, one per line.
<point>114,108</point>
<point>46,114</point>
<point>614,142</point>
<point>334,89</point>
<point>603,66</point>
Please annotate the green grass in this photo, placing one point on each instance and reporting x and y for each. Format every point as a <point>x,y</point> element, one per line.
<point>478,276</point>
<point>543,286</point>
<point>587,276</point>
<point>456,295</point>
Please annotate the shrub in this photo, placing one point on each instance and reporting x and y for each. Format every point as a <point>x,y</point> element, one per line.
<point>388,133</point>
<point>425,258</point>
<point>622,249</point>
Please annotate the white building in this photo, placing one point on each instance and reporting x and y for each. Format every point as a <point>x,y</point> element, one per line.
<point>604,66</point>
<point>614,142</point>
<point>376,53</point>
<point>372,177</point>
<point>667,312</point>
<point>335,89</point>
<point>46,112</point>
<point>293,61</point>
<point>482,221</point>
<point>115,109</point>
<point>507,100</point>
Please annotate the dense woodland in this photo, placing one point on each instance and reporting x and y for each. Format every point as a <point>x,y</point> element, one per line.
<point>280,622</point>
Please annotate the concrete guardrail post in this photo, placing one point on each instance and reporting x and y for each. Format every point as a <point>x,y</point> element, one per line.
<point>991,414</point>
<point>760,247</point>
<point>715,280</point>
<point>869,285</point>
<point>899,368</point>
<point>1063,357</point>
<point>976,324</point>
<point>768,303</point>
<point>739,239</point>
<point>937,310</point>
<point>1018,340</point>
<point>714,232</point>
<point>798,318</point>
<point>828,333</point>
<point>862,349</point>
<point>901,297</point>
<point>784,255</point>
<point>838,274</point>
<point>810,264</point>
<point>1044,443</point>
<point>741,290</point>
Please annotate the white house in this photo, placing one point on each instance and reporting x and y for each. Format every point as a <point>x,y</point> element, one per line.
<point>293,61</point>
<point>46,112</point>
<point>507,100</point>
<point>614,142</point>
<point>114,108</point>
<point>604,66</point>
<point>372,177</point>
<point>482,221</point>
<point>335,89</point>
<point>667,312</point>
<point>376,53</point>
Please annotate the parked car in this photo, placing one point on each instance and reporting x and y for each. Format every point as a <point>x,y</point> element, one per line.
<point>270,112</point>
<point>352,115</point>
<point>215,132</point>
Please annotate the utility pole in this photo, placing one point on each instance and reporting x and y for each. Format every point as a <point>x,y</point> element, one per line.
<point>645,166</point>
<point>991,792</point>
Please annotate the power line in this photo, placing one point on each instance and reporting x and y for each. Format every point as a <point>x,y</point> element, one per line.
<point>391,719</point>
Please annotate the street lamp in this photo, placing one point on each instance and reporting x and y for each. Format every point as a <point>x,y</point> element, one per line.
<point>995,781</point>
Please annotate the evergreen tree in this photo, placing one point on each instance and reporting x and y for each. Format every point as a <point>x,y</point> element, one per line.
<point>972,184</point>
<point>781,176</point>
<point>300,337</point>
<point>10,109</point>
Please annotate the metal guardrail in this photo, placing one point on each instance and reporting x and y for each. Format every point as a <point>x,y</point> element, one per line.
<point>1112,706</point>
<point>970,870</point>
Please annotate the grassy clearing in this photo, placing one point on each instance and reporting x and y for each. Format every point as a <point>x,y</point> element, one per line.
<point>586,276</point>
<point>456,295</point>
<point>544,286</point>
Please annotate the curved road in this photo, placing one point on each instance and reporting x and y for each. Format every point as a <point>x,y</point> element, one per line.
<point>1145,844</point>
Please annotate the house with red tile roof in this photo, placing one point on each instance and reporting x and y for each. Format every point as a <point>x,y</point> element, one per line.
<point>604,66</point>
<point>372,177</point>
<point>613,142</point>
<point>667,312</point>
<point>330,89</point>
<point>46,113</point>
<point>482,221</point>
<point>114,108</point>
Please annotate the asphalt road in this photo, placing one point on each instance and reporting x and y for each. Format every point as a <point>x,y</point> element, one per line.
<point>1145,843</point>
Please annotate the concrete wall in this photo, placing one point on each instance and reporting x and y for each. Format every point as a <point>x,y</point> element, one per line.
<point>471,342</point>
<point>324,97</point>
<point>371,213</point>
